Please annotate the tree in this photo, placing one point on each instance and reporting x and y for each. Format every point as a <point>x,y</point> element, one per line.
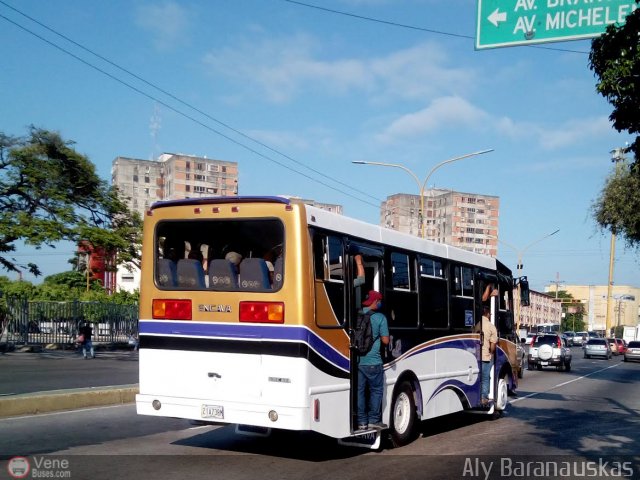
<point>49,193</point>
<point>573,312</point>
<point>615,60</point>
<point>618,207</point>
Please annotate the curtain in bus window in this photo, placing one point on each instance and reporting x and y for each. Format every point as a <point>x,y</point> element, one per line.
<point>335,259</point>
<point>457,281</point>
<point>467,282</point>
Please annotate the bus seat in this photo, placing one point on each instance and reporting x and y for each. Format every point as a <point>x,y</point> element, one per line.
<point>190,273</point>
<point>278,267</point>
<point>222,275</point>
<point>166,272</point>
<point>254,274</point>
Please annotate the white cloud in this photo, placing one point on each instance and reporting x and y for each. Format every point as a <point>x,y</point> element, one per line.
<point>282,67</point>
<point>574,132</point>
<point>442,113</point>
<point>168,23</point>
<point>286,67</point>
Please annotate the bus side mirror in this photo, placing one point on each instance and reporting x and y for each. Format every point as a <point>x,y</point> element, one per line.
<point>524,292</point>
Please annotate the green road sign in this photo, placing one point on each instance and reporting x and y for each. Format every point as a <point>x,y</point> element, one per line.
<point>505,23</point>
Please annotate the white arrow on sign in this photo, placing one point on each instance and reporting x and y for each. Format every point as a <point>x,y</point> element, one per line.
<point>497,17</point>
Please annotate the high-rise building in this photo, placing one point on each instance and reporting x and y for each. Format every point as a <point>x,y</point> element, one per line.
<point>465,220</point>
<point>172,177</point>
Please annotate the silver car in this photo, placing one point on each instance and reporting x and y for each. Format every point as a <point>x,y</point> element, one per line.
<point>580,338</point>
<point>633,351</point>
<point>597,347</point>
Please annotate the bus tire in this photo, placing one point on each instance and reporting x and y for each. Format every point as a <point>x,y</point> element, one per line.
<point>502,394</point>
<point>404,419</point>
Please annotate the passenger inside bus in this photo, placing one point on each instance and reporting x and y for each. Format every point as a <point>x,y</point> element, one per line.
<point>226,243</point>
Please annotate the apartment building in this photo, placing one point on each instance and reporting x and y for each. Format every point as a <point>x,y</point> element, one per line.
<point>466,220</point>
<point>624,305</point>
<point>542,310</point>
<point>172,177</point>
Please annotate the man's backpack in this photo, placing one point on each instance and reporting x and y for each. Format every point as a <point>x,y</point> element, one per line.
<point>363,336</point>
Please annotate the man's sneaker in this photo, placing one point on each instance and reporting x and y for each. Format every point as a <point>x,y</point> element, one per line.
<point>378,425</point>
<point>486,403</point>
<point>362,427</point>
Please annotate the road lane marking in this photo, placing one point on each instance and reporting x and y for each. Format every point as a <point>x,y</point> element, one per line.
<point>563,384</point>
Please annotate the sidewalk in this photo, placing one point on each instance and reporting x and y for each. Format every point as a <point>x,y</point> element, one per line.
<point>53,380</point>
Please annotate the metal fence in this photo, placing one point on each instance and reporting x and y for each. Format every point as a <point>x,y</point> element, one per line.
<point>58,322</point>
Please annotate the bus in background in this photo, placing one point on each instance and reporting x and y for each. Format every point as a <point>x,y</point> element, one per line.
<point>248,306</point>
<point>548,328</point>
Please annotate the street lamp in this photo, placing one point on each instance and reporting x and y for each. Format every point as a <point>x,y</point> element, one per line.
<point>422,186</point>
<point>519,266</point>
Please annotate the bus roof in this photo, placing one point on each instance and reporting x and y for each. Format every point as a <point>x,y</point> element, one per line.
<point>367,231</point>
<point>216,200</point>
<point>333,221</point>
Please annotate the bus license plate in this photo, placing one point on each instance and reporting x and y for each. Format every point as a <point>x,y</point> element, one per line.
<point>212,411</point>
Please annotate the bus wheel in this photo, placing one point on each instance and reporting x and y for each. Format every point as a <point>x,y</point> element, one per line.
<point>502,394</point>
<point>403,427</point>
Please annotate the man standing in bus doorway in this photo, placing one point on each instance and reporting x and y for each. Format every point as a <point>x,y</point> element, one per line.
<point>489,338</point>
<point>370,371</point>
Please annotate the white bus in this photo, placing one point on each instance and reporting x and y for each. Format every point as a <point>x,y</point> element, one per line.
<point>271,349</point>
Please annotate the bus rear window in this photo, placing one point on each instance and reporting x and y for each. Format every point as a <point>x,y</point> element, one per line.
<point>219,255</point>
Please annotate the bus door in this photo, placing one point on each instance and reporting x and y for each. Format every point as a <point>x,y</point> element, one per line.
<point>486,283</point>
<point>359,282</point>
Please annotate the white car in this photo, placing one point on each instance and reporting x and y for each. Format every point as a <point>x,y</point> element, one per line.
<point>580,338</point>
<point>549,349</point>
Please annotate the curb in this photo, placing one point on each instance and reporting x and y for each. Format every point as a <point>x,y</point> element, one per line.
<point>58,400</point>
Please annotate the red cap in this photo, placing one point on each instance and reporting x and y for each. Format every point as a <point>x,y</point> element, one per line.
<point>372,297</point>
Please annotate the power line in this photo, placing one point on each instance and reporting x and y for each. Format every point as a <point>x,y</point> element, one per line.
<point>377,20</point>
<point>413,27</point>
<point>181,113</point>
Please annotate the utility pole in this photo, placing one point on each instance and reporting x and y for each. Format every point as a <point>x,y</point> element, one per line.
<point>617,157</point>
<point>557,283</point>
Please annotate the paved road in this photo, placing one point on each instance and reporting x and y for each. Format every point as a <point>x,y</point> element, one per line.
<point>589,413</point>
<point>22,372</point>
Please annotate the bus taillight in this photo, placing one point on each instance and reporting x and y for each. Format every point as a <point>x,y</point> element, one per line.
<point>171,309</point>
<point>262,312</point>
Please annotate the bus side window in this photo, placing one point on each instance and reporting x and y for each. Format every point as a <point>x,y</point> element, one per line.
<point>462,302</point>
<point>328,265</point>
<point>402,298</point>
<point>434,311</point>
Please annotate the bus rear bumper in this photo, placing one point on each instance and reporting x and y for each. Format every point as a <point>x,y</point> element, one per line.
<point>211,410</point>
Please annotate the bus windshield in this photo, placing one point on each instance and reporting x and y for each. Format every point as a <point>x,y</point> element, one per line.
<point>222,255</point>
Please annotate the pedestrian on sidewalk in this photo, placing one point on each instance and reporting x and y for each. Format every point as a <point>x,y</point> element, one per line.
<point>84,340</point>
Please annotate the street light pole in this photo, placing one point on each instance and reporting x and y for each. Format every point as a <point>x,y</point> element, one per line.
<point>422,186</point>
<point>519,267</point>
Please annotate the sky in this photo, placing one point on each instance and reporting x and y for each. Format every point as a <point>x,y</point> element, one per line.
<point>295,94</point>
